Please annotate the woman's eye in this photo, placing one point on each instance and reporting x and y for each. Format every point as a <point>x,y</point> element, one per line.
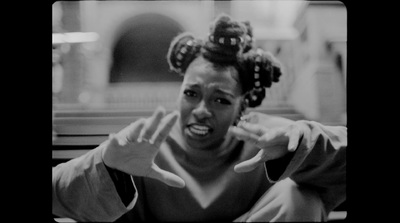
<point>223,101</point>
<point>189,93</point>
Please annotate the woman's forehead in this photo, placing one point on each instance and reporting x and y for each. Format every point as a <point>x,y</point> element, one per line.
<point>205,74</point>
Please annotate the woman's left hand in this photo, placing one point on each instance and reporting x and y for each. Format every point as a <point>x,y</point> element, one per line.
<point>273,143</point>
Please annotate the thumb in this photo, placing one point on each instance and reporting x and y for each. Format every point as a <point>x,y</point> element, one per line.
<point>166,177</point>
<point>249,165</point>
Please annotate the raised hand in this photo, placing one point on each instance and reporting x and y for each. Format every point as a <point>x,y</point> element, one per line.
<point>273,143</point>
<point>133,149</point>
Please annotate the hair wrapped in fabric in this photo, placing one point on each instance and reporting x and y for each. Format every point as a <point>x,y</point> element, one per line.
<point>183,49</point>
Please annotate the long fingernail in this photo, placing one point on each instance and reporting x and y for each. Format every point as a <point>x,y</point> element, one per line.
<point>292,147</point>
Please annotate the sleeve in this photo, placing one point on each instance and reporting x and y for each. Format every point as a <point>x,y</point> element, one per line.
<point>83,190</point>
<point>319,162</point>
<point>123,184</point>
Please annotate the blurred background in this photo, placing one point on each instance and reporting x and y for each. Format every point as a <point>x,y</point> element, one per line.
<point>109,61</point>
<point>110,67</point>
<point>110,55</point>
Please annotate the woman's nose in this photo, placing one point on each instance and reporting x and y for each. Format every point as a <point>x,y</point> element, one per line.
<point>202,111</point>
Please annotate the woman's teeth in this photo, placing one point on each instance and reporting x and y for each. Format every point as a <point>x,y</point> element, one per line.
<point>199,129</point>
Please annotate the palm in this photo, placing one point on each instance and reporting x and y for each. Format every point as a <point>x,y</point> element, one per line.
<point>273,143</point>
<point>135,158</point>
<point>133,149</point>
<point>274,148</point>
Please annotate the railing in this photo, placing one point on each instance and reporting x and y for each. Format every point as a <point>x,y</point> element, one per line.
<point>77,131</point>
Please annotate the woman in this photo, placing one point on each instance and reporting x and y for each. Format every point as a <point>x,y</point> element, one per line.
<point>209,160</point>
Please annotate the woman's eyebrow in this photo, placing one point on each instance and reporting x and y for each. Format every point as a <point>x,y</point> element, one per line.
<point>192,85</point>
<point>217,88</point>
<point>222,89</point>
<point>224,92</point>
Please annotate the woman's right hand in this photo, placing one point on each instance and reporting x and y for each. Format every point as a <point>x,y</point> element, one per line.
<point>133,149</point>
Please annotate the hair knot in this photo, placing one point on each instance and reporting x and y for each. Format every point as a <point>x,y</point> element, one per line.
<point>182,51</point>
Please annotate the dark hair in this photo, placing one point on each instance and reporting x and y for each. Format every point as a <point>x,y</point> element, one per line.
<point>229,43</point>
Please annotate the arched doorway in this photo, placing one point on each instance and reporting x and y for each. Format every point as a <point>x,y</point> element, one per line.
<point>140,49</point>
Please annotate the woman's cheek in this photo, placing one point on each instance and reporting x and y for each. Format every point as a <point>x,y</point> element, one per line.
<point>185,109</point>
<point>226,119</point>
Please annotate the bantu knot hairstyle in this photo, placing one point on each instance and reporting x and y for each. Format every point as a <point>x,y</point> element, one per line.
<point>248,45</point>
<point>263,69</point>
<point>182,51</point>
<point>226,41</point>
<point>229,43</point>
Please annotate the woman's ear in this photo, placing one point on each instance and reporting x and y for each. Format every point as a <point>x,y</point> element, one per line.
<point>242,109</point>
<point>243,105</point>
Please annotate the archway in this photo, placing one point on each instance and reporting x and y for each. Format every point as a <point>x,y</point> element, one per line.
<point>139,53</point>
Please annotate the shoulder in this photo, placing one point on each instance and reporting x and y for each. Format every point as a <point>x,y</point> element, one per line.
<point>266,120</point>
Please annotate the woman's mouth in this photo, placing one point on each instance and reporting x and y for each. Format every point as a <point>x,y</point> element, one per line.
<point>199,129</point>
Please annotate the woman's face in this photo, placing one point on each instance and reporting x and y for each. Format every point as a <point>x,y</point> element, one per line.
<point>209,102</point>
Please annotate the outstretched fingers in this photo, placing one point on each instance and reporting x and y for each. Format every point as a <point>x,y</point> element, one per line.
<point>166,126</point>
<point>152,124</point>
<point>244,135</point>
<point>134,130</point>
<point>294,138</point>
<point>256,129</point>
